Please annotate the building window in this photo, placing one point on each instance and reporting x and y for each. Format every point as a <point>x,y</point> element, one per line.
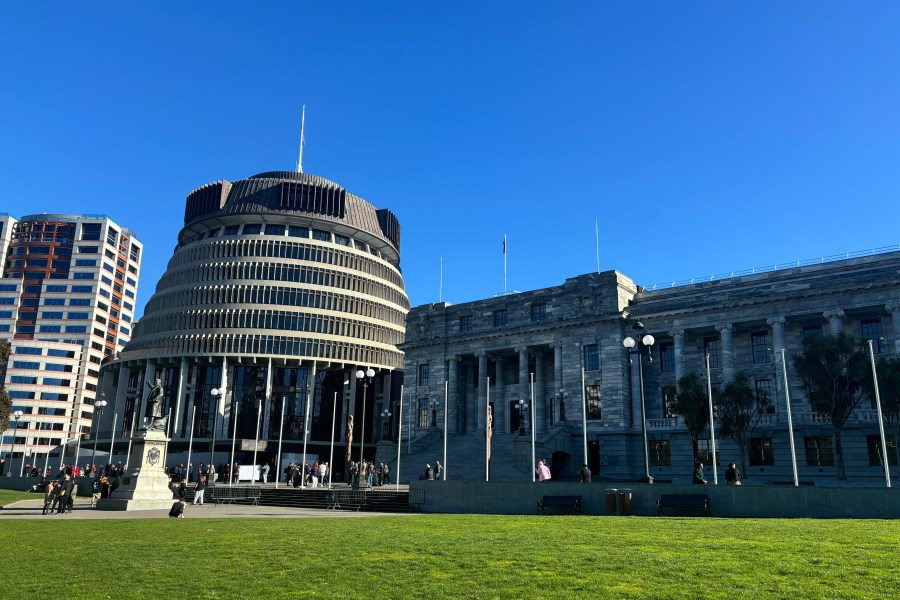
<point>761,452</point>
<point>423,413</point>
<point>759,343</point>
<point>876,457</point>
<point>424,374</point>
<point>538,313</point>
<point>765,389</point>
<point>274,229</point>
<point>465,324</point>
<point>500,317</point>
<point>872,329</point>
<point>711,347</point>
<point>252,228</point>
<point>819,451</point>
<point>591,357</point>
<point>668,398</point>
<point>704,453</point>
<point>594,406</point>
<point>322,236</point>
<point>812,332</point>
<point>660,455</point>
<point>667,357</point>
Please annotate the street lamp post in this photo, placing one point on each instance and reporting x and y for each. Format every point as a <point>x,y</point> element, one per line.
<point>16,415</point>
<point>386,420</point>
<point>98,412</point>
<point>642,343</point>
<point>523,407</point>
<point>434,407</point>
<point>366,378</point>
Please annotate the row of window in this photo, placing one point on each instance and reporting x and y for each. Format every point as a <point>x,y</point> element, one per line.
<point>284,272</point>
<point>501,318</point>
<point>39,351</point>
<point>29,380</point>
<point>819,451</point>
<point>271,319</point>
<point>291,251</point>
<point>290,347</point>
<point>283,296</point>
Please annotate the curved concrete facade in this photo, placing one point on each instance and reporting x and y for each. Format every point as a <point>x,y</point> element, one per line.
<point>281,286</point>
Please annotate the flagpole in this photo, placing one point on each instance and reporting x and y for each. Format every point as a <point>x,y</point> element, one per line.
<point>487,433</point>
<point>584,416</point>
<point>597,237</point>
<point>400,439</point>
<point>255,443</point>
<point>712,423</point>
<point>190,443</point>
<point>446,397</point>
<point>441,286</point>
<point>331,452</point>
<point>533,457</point>
<point>504,264</point>
<point>280,437</point>
<point>302,140</point>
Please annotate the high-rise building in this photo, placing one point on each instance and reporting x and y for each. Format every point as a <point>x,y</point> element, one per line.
<point>67,300</point>
<point>282,287</point>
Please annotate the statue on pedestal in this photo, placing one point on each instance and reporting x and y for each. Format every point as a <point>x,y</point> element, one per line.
<point>154,407</point>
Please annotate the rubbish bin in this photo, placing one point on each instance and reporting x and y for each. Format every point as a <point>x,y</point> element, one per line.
<point>611,501</point>
<point>624,501</point>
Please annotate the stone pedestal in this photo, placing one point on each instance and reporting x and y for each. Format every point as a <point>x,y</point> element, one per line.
<point>145,485</point>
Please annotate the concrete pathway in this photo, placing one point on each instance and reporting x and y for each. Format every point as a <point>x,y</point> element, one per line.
<point>31,509</point>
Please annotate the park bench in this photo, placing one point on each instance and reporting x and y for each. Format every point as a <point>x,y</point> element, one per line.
<point>573,502</point>
<point>223,494</point>
<point>683,501</point>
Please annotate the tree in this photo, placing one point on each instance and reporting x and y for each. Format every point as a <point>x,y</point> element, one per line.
<point>832,372</point>
<point>692,405</point>
<point>5,400</point>
<point>889,393</point>
<point>740,409</point>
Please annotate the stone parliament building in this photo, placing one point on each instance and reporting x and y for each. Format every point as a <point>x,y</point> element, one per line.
<point>491,349</point>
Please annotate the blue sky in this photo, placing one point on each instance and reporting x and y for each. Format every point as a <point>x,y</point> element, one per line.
<point>706,137</point>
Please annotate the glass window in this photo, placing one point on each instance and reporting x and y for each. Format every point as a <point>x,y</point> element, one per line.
<point>57,288</point>
<point>88,250</point>
<point>50,328</point>
<point>26,364</point>
<point>660,454</point>
<point>594,402</point>
<point>76,328</point>
<point>30,350</point>
<point>765,388</point>
<point>6,314</point>
<point>872,329</point>
<point>252,228</point>
<point>423,413</point>
<point>300,232</point>
<point>61,353</point>
<point>423,374</point>
<point>85,262</point>
<point>51,315</point>
<point>343,240</point>
<point>500,317</point>
<point>876,456</point>
<point>77,315</point>
<point>78,275</point>
<point>591,357</point>
<point>819,451</point>
<point>82,289</point>
<point>538,312</point>
<point>704,453</point>
<point>711,347</point>
<point>323,236</point>
<point>54,301</point>
<point>667,357</point>
<point>759,343</point>
<point>232,229</point>
<point>812,331</point>
<point>274,229</point>
<point>761,452</point>
<point>90,231</point>
<point>465,324</point>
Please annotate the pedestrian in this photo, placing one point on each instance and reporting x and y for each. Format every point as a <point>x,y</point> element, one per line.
<point>265,473</point>
<point>177,510</point>
<point>584,475</point>
<point>314,475</point>
<point>199,489</point>
<point>732,475</point>
<point>543,471</point>
<point>698,474</point>
<point>429,474</point>
<point>95,492</point>
<point>49,496</point>
<point>323,471</point>
<point>438,469</point>
<point>385,474</point>
<point>181,490</point>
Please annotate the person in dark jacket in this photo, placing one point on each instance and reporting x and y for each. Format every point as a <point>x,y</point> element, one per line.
<point>177,510</point>
<point>698,474</point>
<point>584,475</point>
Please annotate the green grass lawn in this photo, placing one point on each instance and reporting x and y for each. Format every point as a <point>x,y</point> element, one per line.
<point>10,496</point>
<point>450,556</point>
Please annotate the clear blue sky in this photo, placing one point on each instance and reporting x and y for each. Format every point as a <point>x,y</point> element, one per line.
<point>706,137</point>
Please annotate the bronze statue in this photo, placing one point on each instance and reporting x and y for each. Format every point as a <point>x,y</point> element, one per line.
<point>349,438</point>
<point>154,407</point>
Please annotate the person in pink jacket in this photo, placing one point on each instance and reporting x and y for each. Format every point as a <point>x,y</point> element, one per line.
<point>543,471</point>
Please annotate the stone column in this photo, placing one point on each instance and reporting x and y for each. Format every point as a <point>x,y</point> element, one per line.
<point>481,409</point>
<point>558,377</point>
<point>524,380</point>
<point>144,392</point>
<point>678,337</point>
<point>540,393</point>
<point>894,308</point>
<point>453,384</point>
<point>470,397</point>
<point>725,331</point>
<point>122,397</point>
<point>347,394</point>
<point>177,415</point>
<point>777,325</point>
<point>268,404</point>
<point>501,423</point>
<point>835,318</point>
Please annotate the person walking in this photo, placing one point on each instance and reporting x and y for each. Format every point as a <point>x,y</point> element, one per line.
<point>584,475</point>
<point>732,475</point>
<point>199,489</point>
<point>543,471</point>
<point>265,473</point>
<point>438,469</point>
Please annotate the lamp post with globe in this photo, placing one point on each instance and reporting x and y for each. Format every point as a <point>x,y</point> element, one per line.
<point>643,345</point>
<point>366,378</point>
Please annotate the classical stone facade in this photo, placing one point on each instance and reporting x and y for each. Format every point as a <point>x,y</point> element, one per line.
<point>493,349</point>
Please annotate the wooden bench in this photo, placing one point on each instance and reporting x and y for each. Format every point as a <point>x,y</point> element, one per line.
<point>223,494</point>
<point>683,501</point>
<point>573,502</point>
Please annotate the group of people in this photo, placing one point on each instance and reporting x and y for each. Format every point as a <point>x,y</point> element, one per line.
<point>436,473</point>
<point>304,475</point>
<point>732,475</point>
<point>369,474</point>
<point>60,493</point>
